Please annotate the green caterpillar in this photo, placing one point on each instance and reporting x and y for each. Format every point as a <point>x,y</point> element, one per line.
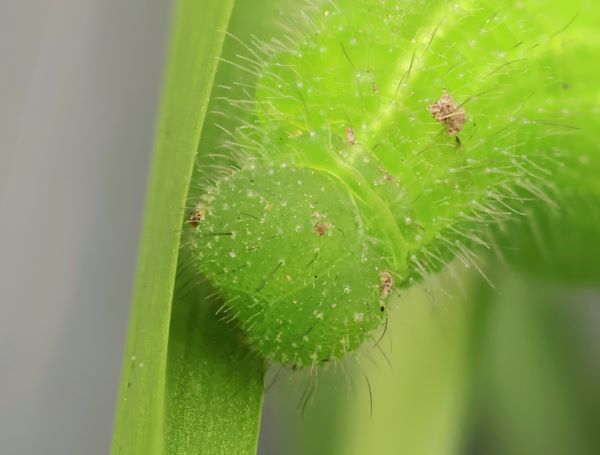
<point>378,144</point>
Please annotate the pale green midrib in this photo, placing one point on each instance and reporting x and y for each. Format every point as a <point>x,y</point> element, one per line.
<point>353,181</point>
<point>359,186</point>
<point>382,120</point>
<point>444,18</point>
<point>372,206</point>
<point>437,23</point>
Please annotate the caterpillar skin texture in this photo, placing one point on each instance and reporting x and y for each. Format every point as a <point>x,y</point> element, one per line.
<point>353,182</point>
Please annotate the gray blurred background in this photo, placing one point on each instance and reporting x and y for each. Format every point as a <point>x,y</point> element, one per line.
<point>79,86</point>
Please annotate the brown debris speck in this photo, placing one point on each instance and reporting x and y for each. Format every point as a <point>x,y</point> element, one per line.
<point>197,215</point>
<point>350,136</point>
<point>386,282</point>
<point>321,228</point>
<point>446,111</point>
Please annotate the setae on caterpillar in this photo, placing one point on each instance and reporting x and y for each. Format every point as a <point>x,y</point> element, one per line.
<point>378,143</point>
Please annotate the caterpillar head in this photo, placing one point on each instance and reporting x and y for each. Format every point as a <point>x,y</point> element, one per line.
<point>288,250</point>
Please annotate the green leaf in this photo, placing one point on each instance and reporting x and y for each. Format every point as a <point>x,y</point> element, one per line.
<point>141,421</point>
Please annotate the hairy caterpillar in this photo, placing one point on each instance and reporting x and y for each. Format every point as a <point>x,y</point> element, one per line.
<point>378,143</point>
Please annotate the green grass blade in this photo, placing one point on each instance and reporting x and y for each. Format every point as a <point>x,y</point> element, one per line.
<point>214,383</point>
<point>197,37</point>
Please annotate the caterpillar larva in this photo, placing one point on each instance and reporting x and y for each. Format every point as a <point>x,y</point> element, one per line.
<point>379,143</point>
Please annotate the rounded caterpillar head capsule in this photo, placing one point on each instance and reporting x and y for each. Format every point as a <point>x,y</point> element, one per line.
<point>287,250</point>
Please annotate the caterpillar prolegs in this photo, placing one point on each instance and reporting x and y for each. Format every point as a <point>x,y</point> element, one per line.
<point>378,143</point>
